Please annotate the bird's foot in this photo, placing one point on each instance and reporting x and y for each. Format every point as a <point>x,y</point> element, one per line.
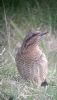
<point>44,83</point>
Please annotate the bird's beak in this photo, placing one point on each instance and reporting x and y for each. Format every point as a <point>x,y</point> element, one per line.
<point>42,33</point>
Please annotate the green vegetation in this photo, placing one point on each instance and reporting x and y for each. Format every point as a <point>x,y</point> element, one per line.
<point>17,17</point>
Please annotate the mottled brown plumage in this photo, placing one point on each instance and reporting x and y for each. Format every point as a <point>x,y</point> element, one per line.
<point>31,62</point>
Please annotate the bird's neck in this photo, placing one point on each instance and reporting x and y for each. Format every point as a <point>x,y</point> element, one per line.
<point>31,48</point>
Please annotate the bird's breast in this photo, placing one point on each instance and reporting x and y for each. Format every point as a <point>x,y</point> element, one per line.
<point>34,52</point>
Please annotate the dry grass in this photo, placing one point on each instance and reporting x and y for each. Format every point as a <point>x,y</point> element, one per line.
<point>12,86</point>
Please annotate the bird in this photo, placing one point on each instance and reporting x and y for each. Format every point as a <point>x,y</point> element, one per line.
<point>31,61</point>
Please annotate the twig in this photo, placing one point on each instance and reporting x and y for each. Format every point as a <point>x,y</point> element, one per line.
<point>8,31</point>
<point>2,52</point>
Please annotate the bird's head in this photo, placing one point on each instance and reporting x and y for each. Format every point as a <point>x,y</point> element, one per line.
<point>32,38</point>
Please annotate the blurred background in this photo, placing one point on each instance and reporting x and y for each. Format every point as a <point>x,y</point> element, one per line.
<point>17,18</point>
